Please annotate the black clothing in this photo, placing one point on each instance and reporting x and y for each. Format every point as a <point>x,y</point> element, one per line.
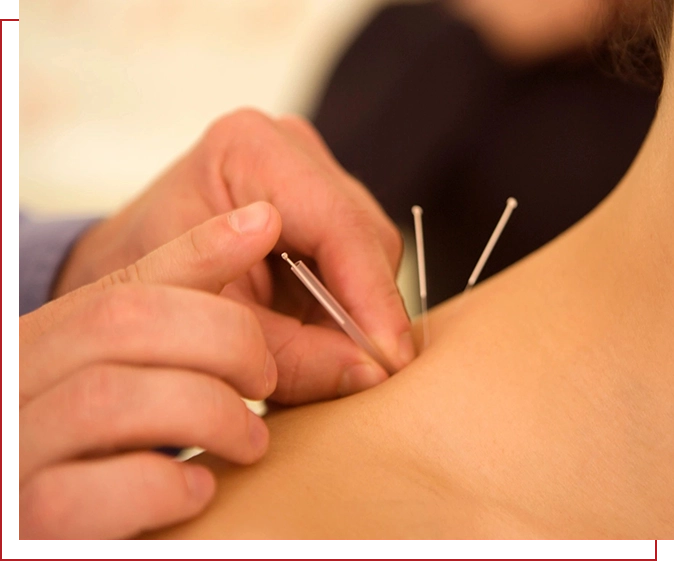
<point>422,113</point>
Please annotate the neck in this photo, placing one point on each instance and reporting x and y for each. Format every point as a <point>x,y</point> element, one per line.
<point>645,201</point>
<point>632,233</point>
<point>566,362</point>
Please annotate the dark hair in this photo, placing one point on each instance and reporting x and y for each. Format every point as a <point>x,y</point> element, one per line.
<point>637,38</point>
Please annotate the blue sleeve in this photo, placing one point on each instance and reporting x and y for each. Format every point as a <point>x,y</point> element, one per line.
<point>43,247</point>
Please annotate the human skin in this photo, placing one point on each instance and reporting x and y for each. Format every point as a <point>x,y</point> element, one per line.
<point>543,408</point>
<point>328,219</point>
<point>148,356</point>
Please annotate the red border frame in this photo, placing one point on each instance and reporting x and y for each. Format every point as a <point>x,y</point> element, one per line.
<point>8,302</point>
<point>8,299</point>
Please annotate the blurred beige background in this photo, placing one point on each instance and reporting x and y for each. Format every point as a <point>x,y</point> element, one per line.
<point>113,90</point>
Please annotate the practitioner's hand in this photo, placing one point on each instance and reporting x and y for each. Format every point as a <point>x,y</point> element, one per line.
<point>147,356</point>
<point>328,217</point>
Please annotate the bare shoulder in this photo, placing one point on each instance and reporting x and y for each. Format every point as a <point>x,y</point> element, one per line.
<point>487,434</point>
<point>331,472</point>
<point>373,465</point>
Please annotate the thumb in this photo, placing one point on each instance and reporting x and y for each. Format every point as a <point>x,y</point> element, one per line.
<point>207,258</point>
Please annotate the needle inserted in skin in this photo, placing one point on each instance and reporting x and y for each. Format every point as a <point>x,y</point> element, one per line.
<point>333,307</point>
<point>511,204</point>
<point>417,211</point>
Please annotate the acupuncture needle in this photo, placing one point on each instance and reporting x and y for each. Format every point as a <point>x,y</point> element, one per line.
<point>511,204</point>
<point>417,211</point>
<point>338,313</point>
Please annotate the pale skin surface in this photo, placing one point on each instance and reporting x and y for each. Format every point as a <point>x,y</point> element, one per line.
<point>543,408</point>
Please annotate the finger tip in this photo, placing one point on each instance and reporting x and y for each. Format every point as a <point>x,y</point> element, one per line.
<point>264,382</point>
<point>256,219</point>
<point>407,350</point>
<point>360,377</point>
<point>200,483</point>
<point>397,350</point>
<point>270,375</point>
<point>258,437</point>
<point>274,222</point>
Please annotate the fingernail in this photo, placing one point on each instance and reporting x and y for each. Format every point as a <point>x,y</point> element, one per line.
<point>200,482</point>
<point>250,219</point>
<point>258,434</point>
<point>270,374</point>
<point>406,349</point>
<point>360,377</point>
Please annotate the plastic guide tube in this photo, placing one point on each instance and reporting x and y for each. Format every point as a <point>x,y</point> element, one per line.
<point>339,314</point>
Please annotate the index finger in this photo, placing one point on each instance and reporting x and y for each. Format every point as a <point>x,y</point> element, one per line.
<point>330,217</point>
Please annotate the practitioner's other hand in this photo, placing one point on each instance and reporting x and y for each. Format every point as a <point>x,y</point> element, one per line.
<point>148,356</point>
<point>329,219</point>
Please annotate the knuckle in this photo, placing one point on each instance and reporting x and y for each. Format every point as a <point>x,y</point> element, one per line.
<point>127,275</point>
<point>217,131</point>
<point>247,350</point>
<point>298,124</point>
<point>123,307</point>
<point>296,120</point>
<point>245,327</point>
<point>241,142</point>
<point>222,414</point>
<point>242,119</point>
<point>98,395</point>
<point>304,129</point>
<point>248,117</point>
<point>206,243</point>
